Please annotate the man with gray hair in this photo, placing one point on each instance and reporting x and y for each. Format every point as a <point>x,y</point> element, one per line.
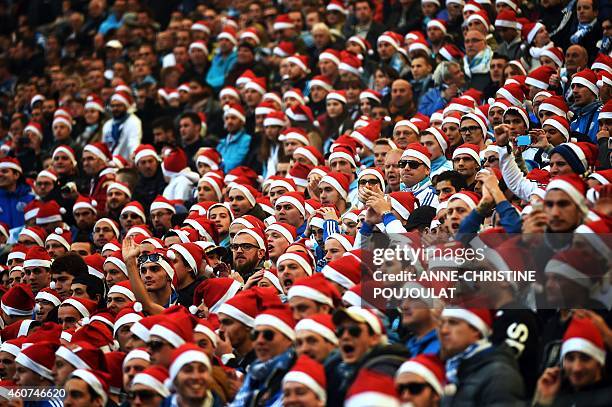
<point>450,82</point>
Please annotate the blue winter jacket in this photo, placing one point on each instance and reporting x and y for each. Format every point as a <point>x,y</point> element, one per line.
<point>12,204</point>
<point>585,120</point>
<point>432,101</point>
<point>234,149</point>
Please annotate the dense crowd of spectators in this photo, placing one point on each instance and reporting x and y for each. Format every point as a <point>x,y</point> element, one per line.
<point>193,193</point>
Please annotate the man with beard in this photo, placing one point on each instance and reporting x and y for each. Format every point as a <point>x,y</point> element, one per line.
<point>122,133</point>
<point>151,181</point>
<point>248,251</point>
<point>163,133</point>
<point>118,195</point>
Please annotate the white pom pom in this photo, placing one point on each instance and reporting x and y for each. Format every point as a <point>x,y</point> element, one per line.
<point>171,255</point>
<point>58,231</point>
<point>491,101</point>
<point>226,107</point>
<point>316,123</point>
<point>85,321</point>
<point>137,307</point>
<point>387,118</point>
<point>208,270</point>
<point>193,309</point>
<point>306,99</point>
<point>564,79</point>
<point>37,308</point>
<point>94,203</point>
<point>52,285</point>
<point>450,389</point>
<point>63,211</point>
<point>168,383</point>
<point>370,52</point>
<point>309,244</point>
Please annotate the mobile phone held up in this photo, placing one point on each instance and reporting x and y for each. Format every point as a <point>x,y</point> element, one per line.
<point>523,141</point>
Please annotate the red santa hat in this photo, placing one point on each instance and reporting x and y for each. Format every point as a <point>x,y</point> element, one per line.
<point>276,118</point>
<point>323,82</point>
<point>304,260</point>
<point>124,288</point>
<point>282,22</point>
<point>321,324</point>
<point>122,97</point>
<point>573,186</point>
<point>278,317</point>
<point>257,84</point>
<point>35,128</point>
<point>418,151</point>
<point>228,33</point>
<point>161,202</point>
<point>300,60</point>
<point>36,233</point>
<point>62,236</point>
<point>403,203</point>
<point>39,358</point>
<point>316,288</point>
<point>371,388</point>
<point>350,63</point>
<point>478,318</point>
<point>176,328</point>
<point>210,157</point>
<point>236,110</point>
<point>390,37</point>
<point>97,380</point>
<point>450,52</point>
<point>508,19</point>
<point>37,256</point>
<point>284,49</point>
<point>185,354</point>
<point>583,336</point>
<point>134,207</point>
<point>559,123</point>
<point>311,153</point>
<point>573,265</point>
<point>116,258</point>
<point>48,294</point>
<point>471,150</point>
<point>554,104</point>
<point>437,23</point>
<point>191,253</point>
<point>109,222</point>
<point>587,78</point>
<point>429,367</point>
<point>18,301</point>
<point>339,181</point>
<point>345,271</point>
<point>252,34</point>
<point>293,198</point>
<point>376,172</point>
<point>540,76</point>
<point>84,306</point>
<point>330,54</point>
<point>309,373</point>
<point>243,307</point>
<point>84,202</point>
<point>286,230</point>
<point>368,134</point>
<point>120,186</point>
<point>602,62</point>
<point>343,151</point>
<point>100,150</point>
<point>49,212</point>
<point>66,150</point>
<point>215,292</point>
<point>337,5</point>
<point>145,150</point>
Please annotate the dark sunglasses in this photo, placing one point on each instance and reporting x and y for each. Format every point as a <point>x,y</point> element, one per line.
<point>144,395</point>
<point>267,334</point>
<point>130,216</point>
<point>412,388</point>
<point>155,346</point>
<point>370,182</point>
<point>150,257</point>
<point>491,159</point>
<point>353,330</point>
<point>412,164</point>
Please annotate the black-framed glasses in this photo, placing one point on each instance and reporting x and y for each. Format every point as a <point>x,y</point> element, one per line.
<point>156,346</point>
<point>413,165</point>
<point>245,247</point>
<point>149,257</point>
<point>370,182</point>
<point>490,159</point>
<point>143,395</point>
<point>353,330</point>
<point>413,388</point>
<point>267,334</point>
<point>468,129</point>
<point>129,215</point>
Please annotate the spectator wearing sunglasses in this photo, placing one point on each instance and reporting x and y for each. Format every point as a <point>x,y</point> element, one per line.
<point>420,381</point>
<point>147,388</point>
<point>273,336</point>
<point>415,167</point>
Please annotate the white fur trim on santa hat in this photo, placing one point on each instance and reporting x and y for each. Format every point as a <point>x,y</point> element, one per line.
<point>167,334</point>
<point>34,366</point>
<point>469,317</point>
<point>309,293</point>
<point>79,307</point>
<point>292,201</point>
<point>307,380</point>
<point>337,277</point>
<point>276,323</point>
<point>584,82</point>
<point>418,155</point>
<point>298,259</point>
<point>336,185</point>
<point>569,189</point>
<point>420,370</point>
<point>342,154</point>
<point>583,346</point>
<point>96,151</point>
<point>308,324</point>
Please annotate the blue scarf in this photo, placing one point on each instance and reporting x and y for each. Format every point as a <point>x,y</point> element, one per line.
<point>479,64</point>
<point>116,127</point>
<point>452,364</point>
<point>582,30</point>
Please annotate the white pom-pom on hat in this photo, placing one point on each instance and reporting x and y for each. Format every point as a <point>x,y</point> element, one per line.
<point>171,255</point>
<point>138,307</point>
<point>564,79</point>
<point>491,101</point>
<point>58,231</point>
<point>193,309</point>
<point>37,308</point>
<point>94,203</point>
<point>63,211</point>
<point>52,285</point>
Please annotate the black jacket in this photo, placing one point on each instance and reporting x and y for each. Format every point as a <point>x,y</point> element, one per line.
<point>489,378</point>
<point>147,189</point>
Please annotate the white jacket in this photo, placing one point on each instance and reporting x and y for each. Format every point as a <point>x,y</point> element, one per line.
<point>181,186</point>
<point>131,135</point>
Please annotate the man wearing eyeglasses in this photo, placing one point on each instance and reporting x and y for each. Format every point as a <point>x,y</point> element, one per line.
<point>477,58</point>
<point>415,167</point>
<point>248,252</point>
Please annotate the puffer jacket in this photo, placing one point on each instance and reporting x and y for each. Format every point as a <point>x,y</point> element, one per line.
<point>12,204</point>
<point>489,378</point>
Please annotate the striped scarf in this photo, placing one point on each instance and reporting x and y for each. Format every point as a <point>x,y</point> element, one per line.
<point>479,64</point>
<point>452,364</point>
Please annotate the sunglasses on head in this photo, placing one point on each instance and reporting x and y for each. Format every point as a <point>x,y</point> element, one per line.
<point>267,334</point>
<point>412,388</point>
<point>150,257</point>
<point>412,164</point>
<point>353,330</point>
<point>144,395</point>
